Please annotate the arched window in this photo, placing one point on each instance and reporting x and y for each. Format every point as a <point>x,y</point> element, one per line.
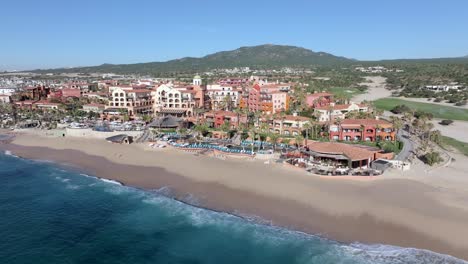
<point>121,94</point>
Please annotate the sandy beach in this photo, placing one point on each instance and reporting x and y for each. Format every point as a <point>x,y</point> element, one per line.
<point>376,89</point>
<point>421,209</point>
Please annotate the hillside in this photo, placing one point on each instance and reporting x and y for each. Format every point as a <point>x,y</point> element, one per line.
<point>263,56</point>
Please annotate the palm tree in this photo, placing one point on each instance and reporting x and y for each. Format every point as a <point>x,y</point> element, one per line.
<point>397,124</point>
<point>252,133</point>
<point>306,127</point>
<point>274,139</point>
<point>299,139</point>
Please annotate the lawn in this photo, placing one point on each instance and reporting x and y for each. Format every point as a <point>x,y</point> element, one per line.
<point>453,143</point>
<point>439,111</point>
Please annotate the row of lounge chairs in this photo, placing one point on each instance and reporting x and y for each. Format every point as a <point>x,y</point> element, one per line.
<point>213,147</point>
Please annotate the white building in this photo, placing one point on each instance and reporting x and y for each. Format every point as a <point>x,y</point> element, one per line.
<point>7,90</point>
<point>135,101</point>
<point>221,94</point>
<point>178,101</point>
<point>333,112</point>
<point>443,88</point>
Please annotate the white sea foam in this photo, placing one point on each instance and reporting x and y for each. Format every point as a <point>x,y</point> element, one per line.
<point>87,176</point>
<point>9,153</point>
<point>72,187</point>
<point>384,254</point>
<point>111,181</point>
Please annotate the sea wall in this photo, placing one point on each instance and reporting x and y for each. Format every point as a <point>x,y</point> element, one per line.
<point>89,133</point>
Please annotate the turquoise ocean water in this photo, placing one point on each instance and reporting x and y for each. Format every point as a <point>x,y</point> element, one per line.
<point>52,215</point>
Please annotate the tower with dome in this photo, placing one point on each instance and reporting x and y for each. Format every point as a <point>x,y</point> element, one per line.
<point>197,80</point>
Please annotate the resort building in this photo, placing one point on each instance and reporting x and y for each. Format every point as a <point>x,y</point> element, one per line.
<point>46,105</point>
<point>233,81</point>
<point>335,111</point>
<point>178,100</point>
<point>216,119</point>
<point>362,130</point>
<point>262,98</point>
<point>4,98</point>
<point>132,101</point>
<point>223,97</point>
<point>288,125</point>
<point>96,108</point>
<point>342,154</point>
<point>26,104</point>
<point>443,88</point>
<point>166,122</point>
<point>71,92</point>
<point>7,90</point>
<point>319,99</point>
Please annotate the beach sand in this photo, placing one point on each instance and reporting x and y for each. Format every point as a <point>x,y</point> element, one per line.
<point>426,210</point>
<point>376,89</point>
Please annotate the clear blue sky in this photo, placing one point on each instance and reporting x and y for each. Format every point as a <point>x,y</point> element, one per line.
<point>55,33</point>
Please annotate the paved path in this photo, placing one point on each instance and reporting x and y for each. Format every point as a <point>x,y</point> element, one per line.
<point>408,145</point>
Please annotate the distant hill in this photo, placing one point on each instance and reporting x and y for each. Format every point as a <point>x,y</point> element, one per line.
<point>263,56</point>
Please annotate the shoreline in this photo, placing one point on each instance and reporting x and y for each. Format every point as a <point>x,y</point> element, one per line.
<point>365,224</point>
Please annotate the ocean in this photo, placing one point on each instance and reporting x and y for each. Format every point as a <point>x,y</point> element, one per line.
<point>50,214</point>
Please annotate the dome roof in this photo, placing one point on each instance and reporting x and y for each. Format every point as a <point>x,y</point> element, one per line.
<point>197,77</point>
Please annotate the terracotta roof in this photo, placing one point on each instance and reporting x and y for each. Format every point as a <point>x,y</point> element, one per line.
<point>338,107</point>
<point>300,118</point>
<point>353,152</point>
<point>45,103</point>
<point>365,122</point>
<point>139,91</point>
<point>319,94</point>
<point>95,105</point>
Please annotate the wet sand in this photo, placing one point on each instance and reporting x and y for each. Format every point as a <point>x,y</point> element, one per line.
<point>401,212</point>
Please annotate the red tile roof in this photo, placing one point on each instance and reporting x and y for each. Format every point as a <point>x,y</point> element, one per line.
<point>337,107</point>
<point>365,122</point>
<point>353,152</point>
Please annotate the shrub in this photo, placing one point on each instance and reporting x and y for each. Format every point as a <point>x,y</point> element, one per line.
<point>446,122</point>
<point>420,114</point>
<point>399,109</point>
<point>438,100</point>
<point>461,103</point>
<point>432,158</point>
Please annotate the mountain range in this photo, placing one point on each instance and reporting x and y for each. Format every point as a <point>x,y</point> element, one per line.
<point>262,56</point>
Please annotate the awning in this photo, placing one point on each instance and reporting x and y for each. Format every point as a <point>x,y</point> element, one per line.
<point>172,111</point>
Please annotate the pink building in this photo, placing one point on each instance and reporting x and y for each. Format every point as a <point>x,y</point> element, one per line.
<point>319,99</point>
<point>71,92</point>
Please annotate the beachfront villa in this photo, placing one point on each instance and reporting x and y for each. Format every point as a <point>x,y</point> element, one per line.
<point>362,130</point>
